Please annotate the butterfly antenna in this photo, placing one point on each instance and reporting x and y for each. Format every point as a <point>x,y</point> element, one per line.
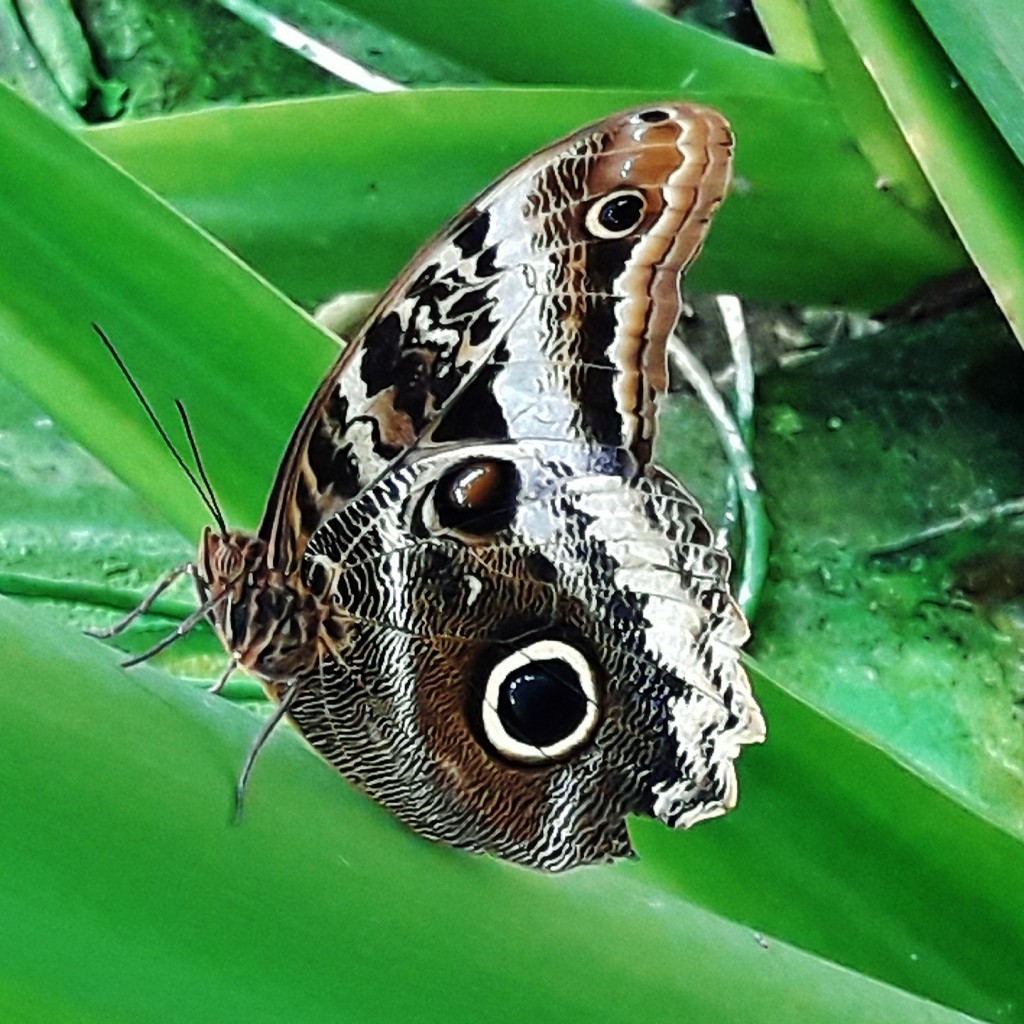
<point>210,498</point>
<point>211,505</point>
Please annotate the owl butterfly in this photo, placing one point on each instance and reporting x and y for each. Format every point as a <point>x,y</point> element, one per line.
<point>472,592</point>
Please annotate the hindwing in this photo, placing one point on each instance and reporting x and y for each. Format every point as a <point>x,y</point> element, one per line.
<point>522,679</point>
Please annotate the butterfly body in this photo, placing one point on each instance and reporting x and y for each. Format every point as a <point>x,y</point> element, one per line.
<point>267,620</point>
<point>472,590</point>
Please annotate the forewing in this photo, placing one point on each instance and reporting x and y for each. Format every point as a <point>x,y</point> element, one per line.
<point>541,311</point>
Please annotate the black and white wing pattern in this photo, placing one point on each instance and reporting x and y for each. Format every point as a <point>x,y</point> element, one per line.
<point>479,598</point>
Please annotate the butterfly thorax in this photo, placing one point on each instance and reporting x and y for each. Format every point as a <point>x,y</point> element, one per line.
<point>267,620</point>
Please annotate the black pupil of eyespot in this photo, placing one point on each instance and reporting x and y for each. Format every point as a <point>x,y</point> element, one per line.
<point>477,497</point>
<point>654,116</point>
<point>542,703</point>
<point>621,213</point>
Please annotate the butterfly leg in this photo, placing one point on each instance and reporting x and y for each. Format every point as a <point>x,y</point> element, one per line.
<point>257,744</point>
<point>185,626</point>
<point>144,605</point>
<point>218,687</point>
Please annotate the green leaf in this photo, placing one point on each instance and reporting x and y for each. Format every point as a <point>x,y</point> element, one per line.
<point>981,39</point>
<point>332,195</point>
<point>617,45</point>
<point>975,175</point>
<point>129,894</point>
<point>84,243</point>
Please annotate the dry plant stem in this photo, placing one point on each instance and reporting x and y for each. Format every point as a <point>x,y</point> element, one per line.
<point>754,562</point>
<point>969,520</point>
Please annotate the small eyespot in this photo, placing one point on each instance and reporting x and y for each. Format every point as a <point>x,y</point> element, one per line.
<point>616,214</point>
<point>540,702</point>
<point>478,497</point>
<point>653,116</point>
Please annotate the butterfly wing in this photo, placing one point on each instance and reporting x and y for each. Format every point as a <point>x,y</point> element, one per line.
<point>541,311</point>
<point>520,669</point>
<point>529,629</point>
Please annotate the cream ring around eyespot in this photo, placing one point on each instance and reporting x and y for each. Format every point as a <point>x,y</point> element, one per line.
<point>540,650</point>
<point>592,221</point>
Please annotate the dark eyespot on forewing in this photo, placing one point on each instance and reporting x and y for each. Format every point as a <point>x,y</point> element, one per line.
<point>616,214</point>
<point>478,497</point>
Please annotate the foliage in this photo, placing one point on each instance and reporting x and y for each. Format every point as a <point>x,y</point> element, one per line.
<point>874,868</point>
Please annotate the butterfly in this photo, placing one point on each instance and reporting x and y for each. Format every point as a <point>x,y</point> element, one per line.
<point>472,591</point>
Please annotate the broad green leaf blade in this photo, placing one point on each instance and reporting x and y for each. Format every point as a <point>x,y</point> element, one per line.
<point>712,63</point>
<point>616,44</point>
<point>983,40</point>
<point>975,175</point>
<point>334,195</point>
<point>129,894</point>
<point>84,243</point>
<point>804,854</point>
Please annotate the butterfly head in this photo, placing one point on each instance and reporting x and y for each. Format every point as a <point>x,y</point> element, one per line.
<point>267,621</point>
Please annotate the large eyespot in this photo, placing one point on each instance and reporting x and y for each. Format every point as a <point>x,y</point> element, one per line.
<point>477,497</point>
<point>616,214</point>
<point>540,702</point>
